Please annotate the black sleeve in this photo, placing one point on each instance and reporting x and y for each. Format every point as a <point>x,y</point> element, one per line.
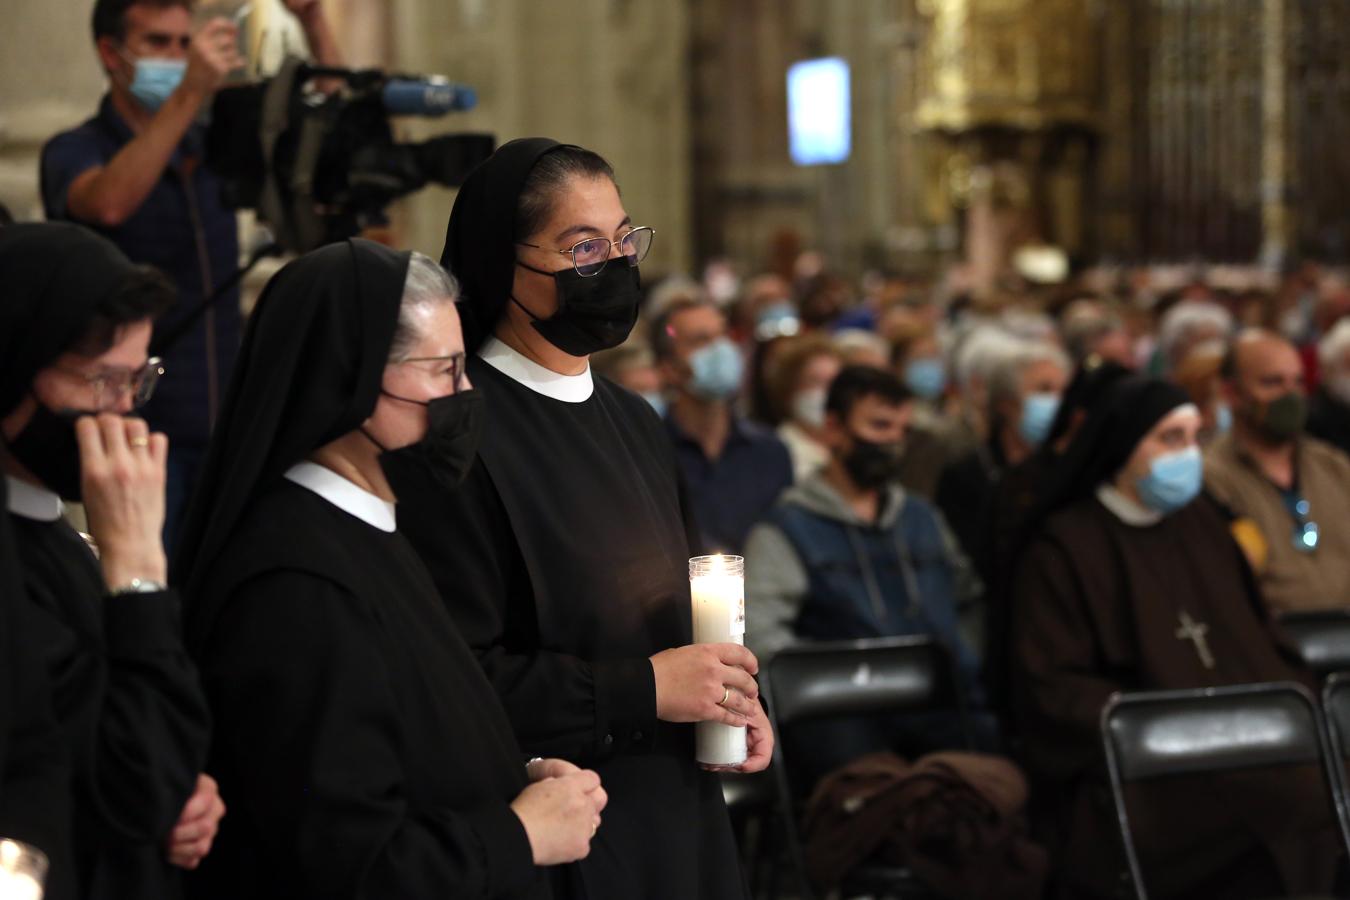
<point>35,802</point>
<point>306,713</point>
<point>132,707</point>
<point>559,704</point>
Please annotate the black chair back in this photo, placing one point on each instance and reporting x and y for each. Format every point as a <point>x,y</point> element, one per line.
<point>1155,734</point>
<point>853,678</point>
<point>1322,638</point>
<point>1336,707</point>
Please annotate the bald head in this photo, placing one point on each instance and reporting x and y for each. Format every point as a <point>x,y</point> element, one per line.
<point>1261,369</point>
<point>1259,352</point>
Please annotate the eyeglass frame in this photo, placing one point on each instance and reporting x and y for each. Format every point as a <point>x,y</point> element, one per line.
<point>99,380</point>
<point>572,250</point>
<point>459,362</point>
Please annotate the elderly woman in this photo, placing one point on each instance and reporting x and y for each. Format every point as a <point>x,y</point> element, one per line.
<point>1023,394</point>
<point>1134,583</point>
<point>564,556</point>
<point>363,752</point>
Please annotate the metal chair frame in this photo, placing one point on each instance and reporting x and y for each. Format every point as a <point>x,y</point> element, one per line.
<point>785,710</point>
<point>1322,753</point>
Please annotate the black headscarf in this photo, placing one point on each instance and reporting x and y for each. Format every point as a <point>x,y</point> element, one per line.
<point>1106,440</point>
<point>480,239</point>
<point>53,275</point>
<point>309,371</point>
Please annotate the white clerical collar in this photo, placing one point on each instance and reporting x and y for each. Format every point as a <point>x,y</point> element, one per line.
<point>346,496</point>
<point>33,502</point>
<point>523,370</point>
<point>1126,510</point>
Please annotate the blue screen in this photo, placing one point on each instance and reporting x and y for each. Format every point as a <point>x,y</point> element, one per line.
<point>818,111</point>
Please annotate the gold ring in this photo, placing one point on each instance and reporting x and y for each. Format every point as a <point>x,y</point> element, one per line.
<point>141,441</point>
<point>726,695</point>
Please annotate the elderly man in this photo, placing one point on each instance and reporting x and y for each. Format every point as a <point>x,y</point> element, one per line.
<point>1293,488</point>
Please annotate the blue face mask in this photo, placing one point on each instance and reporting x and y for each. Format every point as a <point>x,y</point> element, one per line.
<point>155,80</point>
<point>1173,480</point>
<point>1038,416</point>
<point>926,378</point>
<point>657,401</point>
<point>717,369</point>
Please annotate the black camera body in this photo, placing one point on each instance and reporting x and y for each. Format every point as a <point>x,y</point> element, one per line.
<point>319,166</point>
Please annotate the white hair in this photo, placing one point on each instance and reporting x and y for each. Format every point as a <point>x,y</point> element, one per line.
<point>427,287</point>
<point>977,352</point>
<point>1331,350</point>
<point>853,340</point>
<point>1182,323</point>
<point>1005,375</point>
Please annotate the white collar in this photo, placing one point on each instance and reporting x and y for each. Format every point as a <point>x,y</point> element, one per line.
<point>343,494</point>
<point>1127,510</point>
<point>33,502</point>
<point>523,370</point>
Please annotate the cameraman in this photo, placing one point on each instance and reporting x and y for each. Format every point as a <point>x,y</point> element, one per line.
<point>134,172</point>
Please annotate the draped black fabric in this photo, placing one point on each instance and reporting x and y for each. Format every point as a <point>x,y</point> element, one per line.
<point>1103,444</point>
<point>480,239</point>
<point>55,274</point>
<point>309,372</point>
<point>34,761</point>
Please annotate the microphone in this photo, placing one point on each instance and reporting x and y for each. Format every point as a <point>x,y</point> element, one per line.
<point>430,96</point>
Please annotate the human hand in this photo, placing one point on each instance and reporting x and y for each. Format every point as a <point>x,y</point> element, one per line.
<point>706,683</point>
<point>191,838</point>
<point>122,472</point>
<point>560,816</point>
<point>213,55</point>
<point>539,769</point>
<point>758,745</point>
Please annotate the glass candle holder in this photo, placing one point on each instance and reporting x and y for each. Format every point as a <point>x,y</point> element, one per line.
<point>23,870</point>
<point>717,587</point>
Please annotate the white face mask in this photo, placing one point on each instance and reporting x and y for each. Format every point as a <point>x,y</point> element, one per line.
<point>808,408</point>
<point>1338,386</point>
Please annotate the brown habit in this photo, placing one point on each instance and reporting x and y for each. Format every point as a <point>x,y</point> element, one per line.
<point>1097,607</point>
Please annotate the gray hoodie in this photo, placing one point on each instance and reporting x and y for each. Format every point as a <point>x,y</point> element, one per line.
<point>777,583</point>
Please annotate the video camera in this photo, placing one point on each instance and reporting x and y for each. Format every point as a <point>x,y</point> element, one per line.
<point>320,165</point>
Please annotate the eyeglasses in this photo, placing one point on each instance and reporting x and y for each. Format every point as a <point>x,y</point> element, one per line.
<point>1306,532</point>
<point>112,384</point>
<point>454,365</point>
<point>589,256</point>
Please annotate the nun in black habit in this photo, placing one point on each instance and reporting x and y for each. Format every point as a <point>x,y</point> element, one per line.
<point>564,555</point>
<point>362,751</point>
<point>74,328</point>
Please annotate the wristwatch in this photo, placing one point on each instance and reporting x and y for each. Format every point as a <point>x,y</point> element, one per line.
<point>138,586</point>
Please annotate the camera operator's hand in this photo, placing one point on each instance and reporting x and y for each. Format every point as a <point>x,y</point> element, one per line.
<point>122,472</point>
<point>214,54</point>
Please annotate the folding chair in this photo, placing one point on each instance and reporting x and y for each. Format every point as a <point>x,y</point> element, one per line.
<point>1336,708</point>
<point>1150,735</point>
<point>1322,638</point>
<point>856,678</point>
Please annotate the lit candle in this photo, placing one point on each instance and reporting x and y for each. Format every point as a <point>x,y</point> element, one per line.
<point>22,870</point>
<point>717,585</point>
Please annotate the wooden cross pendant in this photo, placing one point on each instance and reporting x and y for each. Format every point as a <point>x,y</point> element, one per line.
<point>1195,632</point>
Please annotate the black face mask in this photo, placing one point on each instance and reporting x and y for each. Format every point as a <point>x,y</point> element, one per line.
<point>872,465</point>
<point>454,428</point>
<point>48,448</point>
<point>594,313</point>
